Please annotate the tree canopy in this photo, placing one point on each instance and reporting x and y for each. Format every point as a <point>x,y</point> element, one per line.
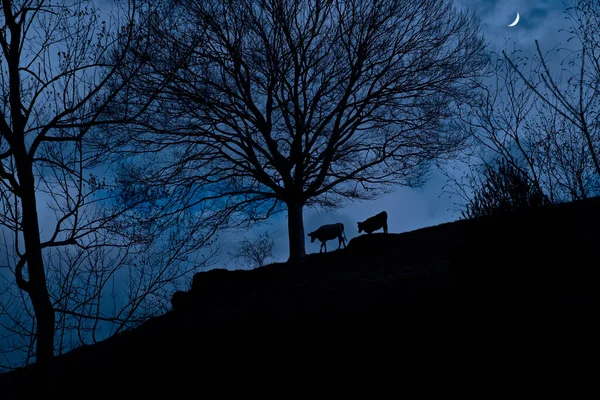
<point>273,105</point>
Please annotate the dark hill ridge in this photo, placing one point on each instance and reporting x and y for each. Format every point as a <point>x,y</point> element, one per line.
<point>488,303</point>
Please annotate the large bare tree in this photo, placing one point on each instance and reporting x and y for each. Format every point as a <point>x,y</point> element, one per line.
<point>276,105</point>
<point>58,69</point>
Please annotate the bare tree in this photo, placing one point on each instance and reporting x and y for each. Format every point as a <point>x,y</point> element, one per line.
<point>278,105</point>
<point>572,96</point>
<point>58,75</point>
<point>498,127</point>
<point>542,123</point>
<point>255,252</point>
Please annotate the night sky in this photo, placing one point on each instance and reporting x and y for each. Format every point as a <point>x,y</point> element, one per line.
<point>408,208</point>
<point>414,208</point>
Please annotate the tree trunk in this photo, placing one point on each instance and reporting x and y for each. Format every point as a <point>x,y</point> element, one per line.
<point>37,287</point>
<point>296,232</point>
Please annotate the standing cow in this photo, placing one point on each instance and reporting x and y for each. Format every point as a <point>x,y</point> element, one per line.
<point>329,232</point>
<point>373,223</point>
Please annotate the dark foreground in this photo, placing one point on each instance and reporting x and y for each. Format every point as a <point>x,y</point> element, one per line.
<point>488,308</point>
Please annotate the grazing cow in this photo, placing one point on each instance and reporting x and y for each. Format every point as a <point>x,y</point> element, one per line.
<point>373,223</point>
<point>329,232</point>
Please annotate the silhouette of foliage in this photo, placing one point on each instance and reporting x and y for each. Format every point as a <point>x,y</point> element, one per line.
<point>505,188</point>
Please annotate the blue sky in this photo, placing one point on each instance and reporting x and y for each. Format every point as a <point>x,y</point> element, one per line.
<point>409,209</point>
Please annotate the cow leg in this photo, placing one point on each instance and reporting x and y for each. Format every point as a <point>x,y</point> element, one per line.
<point>385,229</point>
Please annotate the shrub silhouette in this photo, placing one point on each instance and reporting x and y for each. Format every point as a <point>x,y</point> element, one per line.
<point>504,188</point>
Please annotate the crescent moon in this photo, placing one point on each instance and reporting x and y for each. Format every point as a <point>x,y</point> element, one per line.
<point>516,21</point>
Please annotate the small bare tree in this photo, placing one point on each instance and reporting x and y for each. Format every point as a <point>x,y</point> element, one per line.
<point>276,105</point>
<point>255,252</point>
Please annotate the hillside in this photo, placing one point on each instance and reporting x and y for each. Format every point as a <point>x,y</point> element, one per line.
<point>480,308</point>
